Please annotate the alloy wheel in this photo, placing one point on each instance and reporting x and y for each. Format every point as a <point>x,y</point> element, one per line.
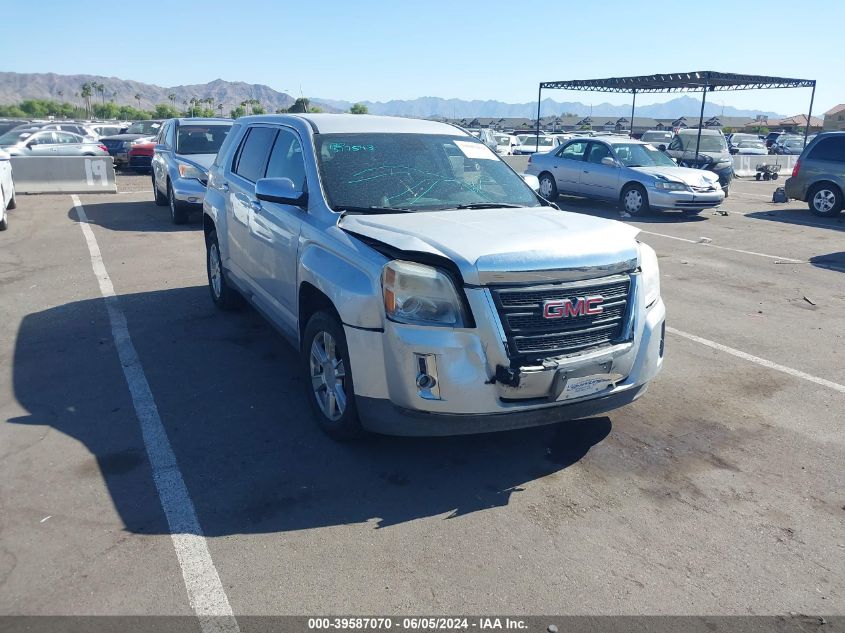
<point>824,200</point>
<point>215,271</point>
<point>328,376</point>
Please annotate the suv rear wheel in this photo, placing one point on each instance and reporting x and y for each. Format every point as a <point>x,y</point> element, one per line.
<point>328,377</point>
<point>825,200</point>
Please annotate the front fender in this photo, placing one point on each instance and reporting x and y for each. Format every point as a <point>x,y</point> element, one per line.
<point>354,292</point>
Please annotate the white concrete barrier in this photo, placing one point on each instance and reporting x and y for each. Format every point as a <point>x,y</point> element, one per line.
<point>745,165</point>
<point>63,174</point>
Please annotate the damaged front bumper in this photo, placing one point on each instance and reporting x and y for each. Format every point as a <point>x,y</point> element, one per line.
<point>476,388</point>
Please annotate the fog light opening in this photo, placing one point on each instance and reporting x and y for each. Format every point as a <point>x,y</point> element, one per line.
<point>428,386</point>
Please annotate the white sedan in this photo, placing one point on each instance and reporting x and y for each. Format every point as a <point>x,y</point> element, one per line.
<point>7,189</point>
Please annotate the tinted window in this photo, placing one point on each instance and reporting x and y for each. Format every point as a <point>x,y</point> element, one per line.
<point>200,138</point>
<point>829,149</point>
<point>597,152</point>
<point>227,143</point>
<point>286,160</point>
<point>65,137</point>
<point>44,138</point>
<point>253,156</point>
<point>574,151</point>
<point>169,135</point>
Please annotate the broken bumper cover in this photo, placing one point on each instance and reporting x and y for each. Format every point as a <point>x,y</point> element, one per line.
<point>471,397</point>
<point>382,416</point>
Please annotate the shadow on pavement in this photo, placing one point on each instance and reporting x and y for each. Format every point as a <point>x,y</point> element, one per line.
<point>799,216</point>
<point>831,261</point>
<point>144,216</point>
<point>610,211</point>
<point>253,459</point>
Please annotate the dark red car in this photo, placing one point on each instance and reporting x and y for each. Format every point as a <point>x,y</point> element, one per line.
<point>140,157</point>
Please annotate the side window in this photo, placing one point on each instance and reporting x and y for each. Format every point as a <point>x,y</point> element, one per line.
<point>574,150</point>
<point>160,137</point>
<point>233,134</point>
<point>252,159</point>
<point>170,135</point>
<point>42,138</point>
<point>286,160</point>
<point>64,137</point>
<point>676,143</point>
<point>597,152</point>
<point>832,148</point>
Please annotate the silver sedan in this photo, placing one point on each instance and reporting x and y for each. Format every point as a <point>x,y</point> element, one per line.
<point>636,175</point>
<point>49,143</point>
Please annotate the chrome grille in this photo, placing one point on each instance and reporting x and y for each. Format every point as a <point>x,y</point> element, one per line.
<point>530,334</point>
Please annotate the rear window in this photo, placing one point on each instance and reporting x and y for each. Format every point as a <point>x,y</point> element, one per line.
<point>829,149</point>
<point>200,139</point>
<point>252,159</point>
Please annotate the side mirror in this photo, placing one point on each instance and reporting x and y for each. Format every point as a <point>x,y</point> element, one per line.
<point>608,161</point>
<point>734,150</point>
<point>532,181</point>
<point>281,191</point>
<point>662,147</point>
<point>30,145</point>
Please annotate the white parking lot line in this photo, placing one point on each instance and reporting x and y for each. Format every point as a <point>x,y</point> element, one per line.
<point>760,361</point>
<point>205,591</point>
<point>727,248</point>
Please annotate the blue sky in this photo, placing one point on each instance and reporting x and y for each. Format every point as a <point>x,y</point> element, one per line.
<point>399,49</point>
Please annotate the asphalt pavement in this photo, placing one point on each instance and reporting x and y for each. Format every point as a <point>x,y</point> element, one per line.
<point>718,492</point>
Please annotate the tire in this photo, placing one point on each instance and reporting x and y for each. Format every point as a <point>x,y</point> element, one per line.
<point>178,213</point>
<point>757,176</point>
<point>222,294</point>
<point>548,186</point>
<point>775,176</point>
<point>634,200</point>
<point>825,200</point>
<point>4,223</point>
<point>161,200</point>
<point>327,375</point>
<point>13,203</point>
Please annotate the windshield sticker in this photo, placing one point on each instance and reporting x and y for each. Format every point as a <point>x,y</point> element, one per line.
<point>475,150</point>
<point>340,146</point>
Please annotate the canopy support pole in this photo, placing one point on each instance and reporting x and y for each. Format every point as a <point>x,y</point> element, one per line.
<point>809,114</point>
<point>537,138</point>
<point>633,104</point>
<point>701,116</point>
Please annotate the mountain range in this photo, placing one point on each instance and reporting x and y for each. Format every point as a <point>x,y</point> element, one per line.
<point>15,87</point>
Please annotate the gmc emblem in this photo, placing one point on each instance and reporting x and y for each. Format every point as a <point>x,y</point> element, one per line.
<point>580,306</point>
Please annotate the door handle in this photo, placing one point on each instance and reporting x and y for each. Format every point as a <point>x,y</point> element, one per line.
<point>224,187</point>
<point>255,205</point>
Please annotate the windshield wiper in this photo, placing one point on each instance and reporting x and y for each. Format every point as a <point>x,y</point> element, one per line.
<point>374,210</point>
<point>489,205</point>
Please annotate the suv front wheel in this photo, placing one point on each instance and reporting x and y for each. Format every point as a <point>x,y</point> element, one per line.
<point>825,200</point>
<point>328,377</point>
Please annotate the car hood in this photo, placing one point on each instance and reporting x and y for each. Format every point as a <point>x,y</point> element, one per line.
<point>686,175</point>
<point>203,160</point>
<point>492,246</point>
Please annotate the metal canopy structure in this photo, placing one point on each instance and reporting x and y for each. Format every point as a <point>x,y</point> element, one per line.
<point>701,81</point>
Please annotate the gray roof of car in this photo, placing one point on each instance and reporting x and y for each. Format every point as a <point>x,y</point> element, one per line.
<point>610,139</point>
<point>183,120</point>
<point>704,131</point>
<point>324,123</point>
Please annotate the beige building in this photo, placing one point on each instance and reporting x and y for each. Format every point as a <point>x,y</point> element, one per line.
<point>834,119</point>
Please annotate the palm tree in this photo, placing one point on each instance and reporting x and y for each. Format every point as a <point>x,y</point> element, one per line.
<point>138,99</point>
<point>102,90</point>
<point>245,103</point>
<point>86,92</point>
<point>172,98</point>
<point>61,94</point>
<point>220,107</point>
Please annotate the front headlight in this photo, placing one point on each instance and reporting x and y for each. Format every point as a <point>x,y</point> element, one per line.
<point>650,274</point>
<point>669,185</point>
<point>189,171</point>
<point>420,295</point>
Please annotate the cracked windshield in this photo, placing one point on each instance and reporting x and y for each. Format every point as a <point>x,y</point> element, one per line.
<point>415,172</point>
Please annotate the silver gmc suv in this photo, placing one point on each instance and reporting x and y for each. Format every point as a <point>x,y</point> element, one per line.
<point>429,289</point>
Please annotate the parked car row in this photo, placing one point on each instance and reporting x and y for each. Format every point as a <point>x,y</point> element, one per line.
<point>41,142</point>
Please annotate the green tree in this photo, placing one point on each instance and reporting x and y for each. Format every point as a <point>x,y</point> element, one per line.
<point>257,109</point>
<point>165,111</point>
<point>358,108</point>
<point>102,90</point>
<point>108,110</point>
<point>87,90</point>
<point>237,112</point>
<point>138,99</point>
